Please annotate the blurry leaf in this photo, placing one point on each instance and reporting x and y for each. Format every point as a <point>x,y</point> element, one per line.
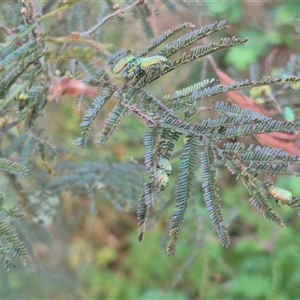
<point>158,294</point>
<point>105,255</point>
<point>284,15</point>
<point>240,59</point>
<point>250,286</point>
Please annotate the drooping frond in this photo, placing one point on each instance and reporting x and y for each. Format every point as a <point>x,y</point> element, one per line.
<point>118,184</point>
<point>168,137</point>
<point>259,194</point>
<point>10,77</point>
<point>145,203</point>
<point>272,169</point>
<point>210,127</point>
<point>264,154</point>
<point>189,162</point>
<point>201,51</point>
<point>91,115</point>
<point>116,116</point>
<point>220,89</point>
<point>13,167</point>
<point>149,143</point>
<point>210,195</point>
<point>224,108</point>
<point>189,90</point>
<point>247,127</point>
<point>165,36</point>
<point>191,37</point>
<point>12,59</point>
<point>263,159</point>
<point>10,245</point>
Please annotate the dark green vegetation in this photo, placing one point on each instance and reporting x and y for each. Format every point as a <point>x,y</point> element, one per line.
<point>156,135</point>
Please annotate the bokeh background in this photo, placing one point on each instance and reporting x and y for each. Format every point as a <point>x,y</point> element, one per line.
<point>87,247</point>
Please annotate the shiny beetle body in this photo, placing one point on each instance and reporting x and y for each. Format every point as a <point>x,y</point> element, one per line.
<point>133,69</point>
<point>123,63</point>
<point>161,180</point>
<point>153,61</point>
<point>131,66</point>
<point>284,196</point>
<point>165,165</point>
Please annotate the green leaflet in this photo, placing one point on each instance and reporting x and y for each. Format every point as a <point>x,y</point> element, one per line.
<point>13,167</point>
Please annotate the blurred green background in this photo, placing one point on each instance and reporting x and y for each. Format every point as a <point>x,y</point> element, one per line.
<point>83,255</point>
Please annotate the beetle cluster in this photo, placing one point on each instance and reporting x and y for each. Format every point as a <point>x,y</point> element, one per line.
<point>162,175</point>
<point>130,66</point>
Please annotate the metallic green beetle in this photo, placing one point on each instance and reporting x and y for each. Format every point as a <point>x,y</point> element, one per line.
<point>133,69</point>
<point>165,165</point>
<point>161,180</point>
<point>153,61</point>
<point>284,196</point>
<point>123,63</point>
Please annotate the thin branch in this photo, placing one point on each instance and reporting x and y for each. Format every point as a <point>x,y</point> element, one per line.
<point>112,15</point>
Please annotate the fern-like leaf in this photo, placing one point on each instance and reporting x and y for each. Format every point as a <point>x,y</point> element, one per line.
<point>11,77</point>
<point>191,37</point>
<point>248,128</point>
<point>220,89</point>
<point>10,244</point>
<point>189,161</point>
<point>259,194</point>
<point>263,160</point>
<point>115,116</point>
<point>210,196</point>
<point>165,36</point>
<point>189,90</point>
<point>91,115</point>
<point>224,108</point>
<point>13,167</point>
<point>201,51</point>
<point>149,143</point>
<point>168,137</point>
<point>145,202</point>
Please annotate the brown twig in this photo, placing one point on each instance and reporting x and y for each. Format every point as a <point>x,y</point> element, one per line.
<point>112,15</point>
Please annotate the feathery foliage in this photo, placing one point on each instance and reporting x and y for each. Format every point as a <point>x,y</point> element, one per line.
<point>12,167</point>
<point>96,70</point>
<point>189,161</point>
<point>10,245</point>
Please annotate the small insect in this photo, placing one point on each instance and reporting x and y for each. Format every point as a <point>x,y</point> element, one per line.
<point>161,180</point>
<point>153,61</point>
<point>132,69</point>
<point>131,66</point>
<point>123,63</point>
<point>165,165</point>
<point>284,196</point>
